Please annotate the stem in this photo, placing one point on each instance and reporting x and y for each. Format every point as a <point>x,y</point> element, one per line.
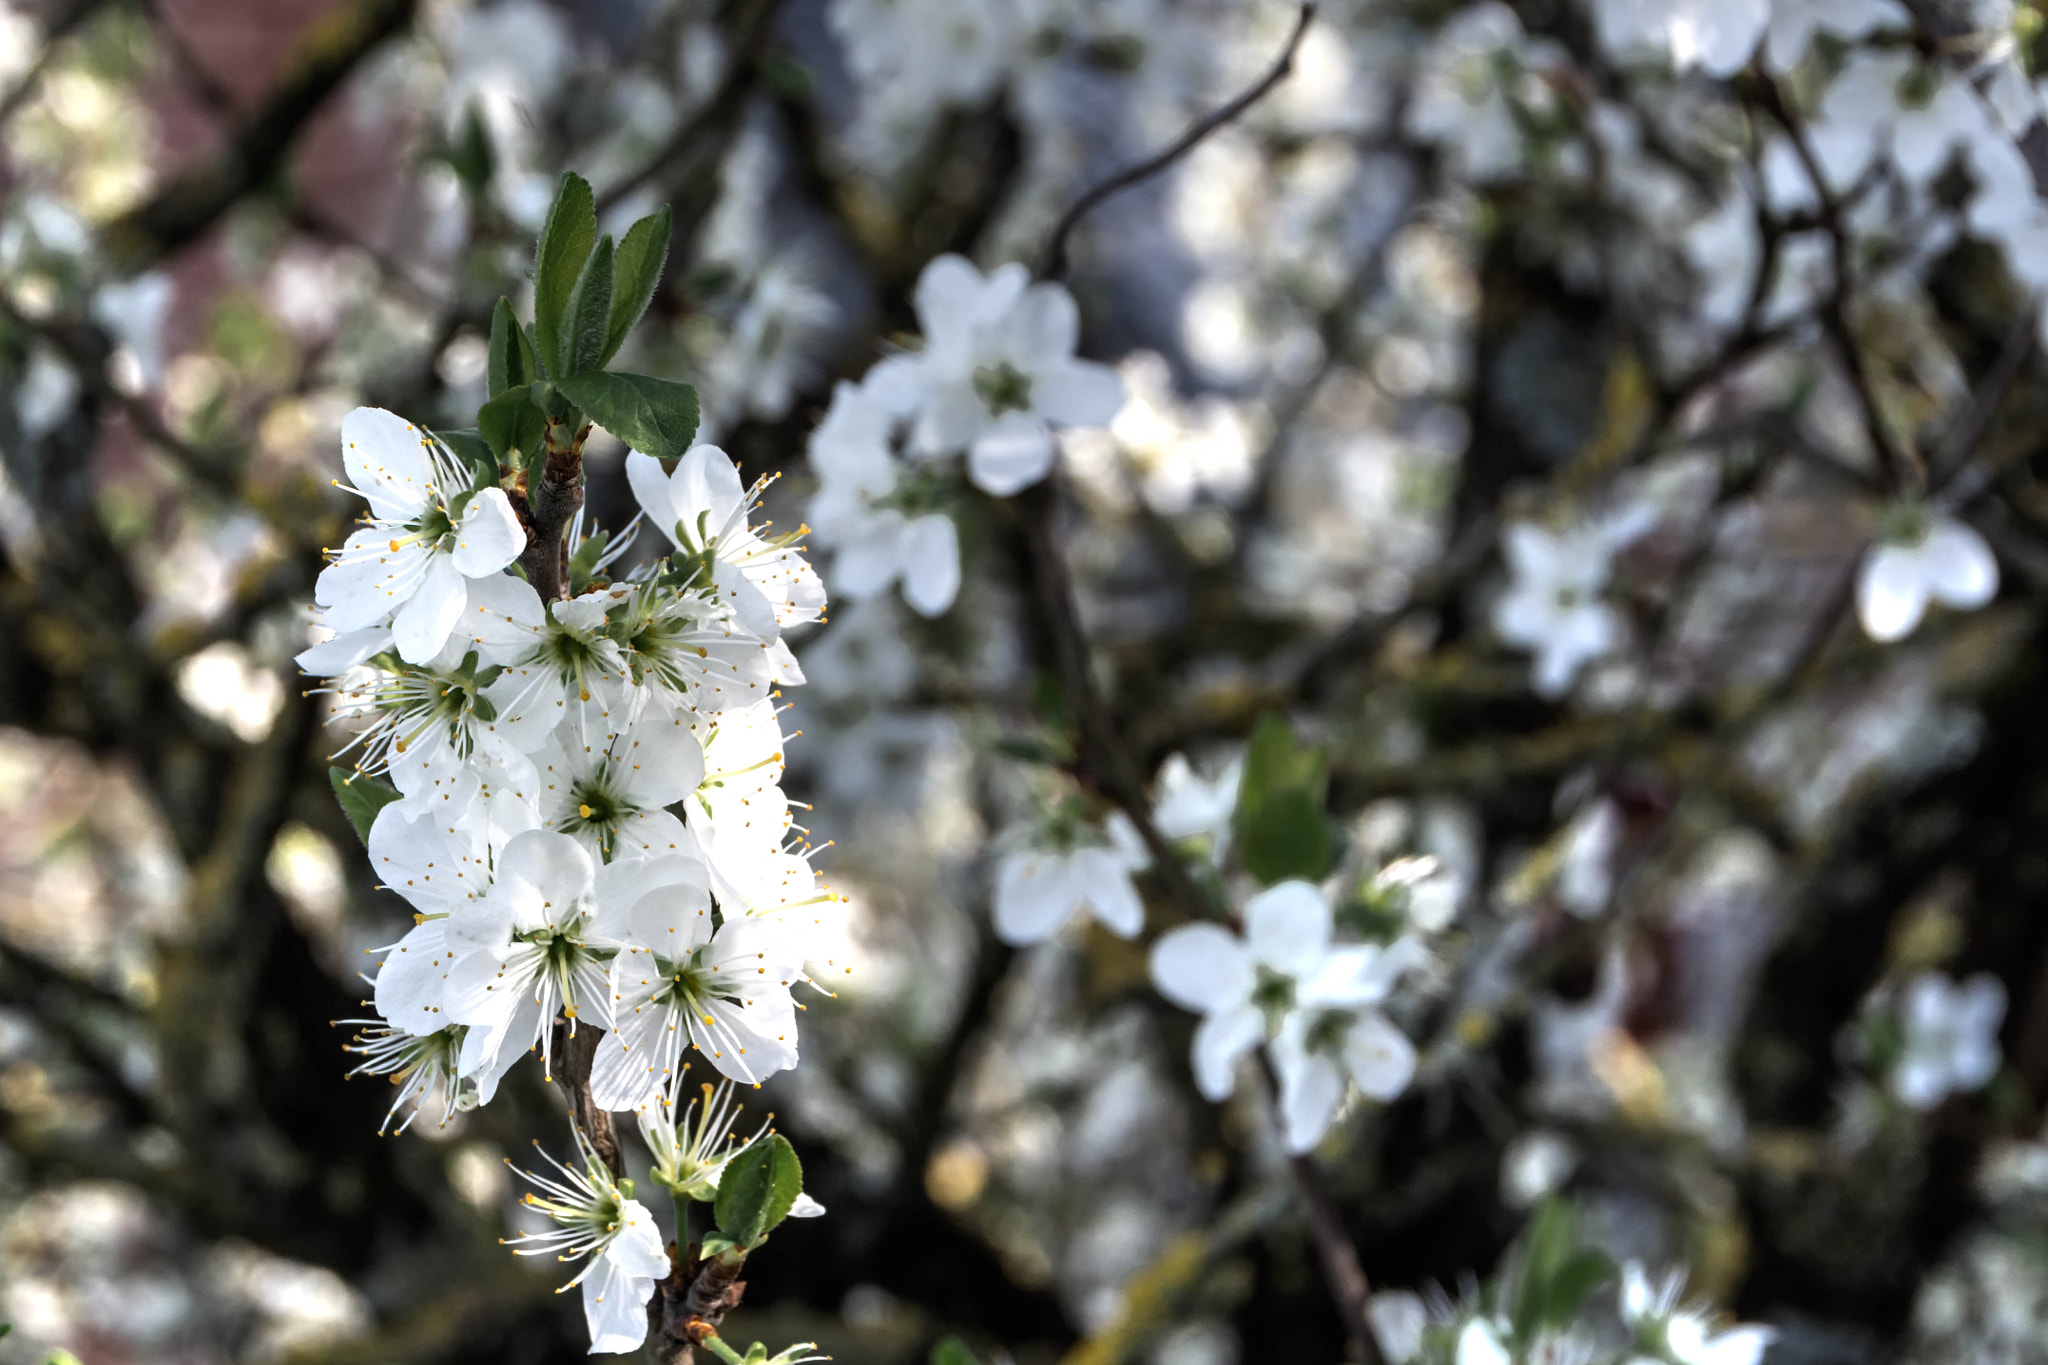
<point>1103,753</point>
<point>575,1051</point>
<point>682,1202</point>
<point>550,502</point>
<point>1054,263</point>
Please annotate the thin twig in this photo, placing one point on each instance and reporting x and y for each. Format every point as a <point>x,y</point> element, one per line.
<point>1054,262</point>
<point>1907,473</point>
<point>1956,481</point>
<point>1107,760</point>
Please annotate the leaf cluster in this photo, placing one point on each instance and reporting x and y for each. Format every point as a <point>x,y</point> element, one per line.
<point>588,293</point>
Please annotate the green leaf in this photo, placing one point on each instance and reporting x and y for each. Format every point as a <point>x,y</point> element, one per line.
<point>361,798</point>
<point>1279,822</point>
<point>757,1189</point>
<point>1572,1285</point>
<point>470,153</point>
<point>1547,1247</point>
<point>654,416</point>
<point>512,424</point>
<point>565,243</point>
<point>952,1351</point>
<point>511,359</point>
<point>590,304</point>
<point>636,271</point>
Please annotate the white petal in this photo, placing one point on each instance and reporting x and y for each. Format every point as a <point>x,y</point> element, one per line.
<point>553,865</point>
<point>490,536</point>
<point>948,298</point>
<point>615,1310</point>
<point>1220,1040</point>
<point>423,624</point>
<point>1103,877</point>
<point>898,383</point>
<point>1379,1057</point>
<point>408,990</point>
<point>343,652</point>
<point>1311,1087</point>
<point>386,460</point>
<point>806,1207</point>
<point>1034,896</point>
<point>1043,326</point>
<point>1202,967</point>
<point>1010,456</point>
<point>1959,567</point>
<point>651,489</point>
<point>1477,1345</point>
<point>931,563</point>
<point>1078,393</point>
<point>1891,596</point>
<point>706,481</point>
<point>1288,927</point>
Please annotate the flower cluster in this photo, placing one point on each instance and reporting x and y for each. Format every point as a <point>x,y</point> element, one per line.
<point>583,808</point>
<point>1314,1002</point>
<point>996,374</point>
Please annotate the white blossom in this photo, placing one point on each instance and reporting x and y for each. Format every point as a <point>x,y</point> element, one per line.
<point>1683,1335</point>
<point>1920,558</point>
<point>705,511</point>
<point>613,1235</point>
<point>867,512</point>
<point>1950,1043</point>
<point>1039,889</point>
<point>426,534</point>
<point>996,374</point>
<point>1190,806</point>
<point>1553,606</point>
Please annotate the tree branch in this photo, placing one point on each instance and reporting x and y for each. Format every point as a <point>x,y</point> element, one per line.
<point>1054,263</point>
<point>192,202</point>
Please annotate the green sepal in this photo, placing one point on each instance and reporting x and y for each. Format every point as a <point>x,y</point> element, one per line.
<point>657,417</point>
<point>1279,824</point>
<point>952,1351</point>
<point>590,305</point>
<point>756,1190</point>
<point>716,1244</point>
<point>565,243</point>
<point>583,561</point>
<point>361,797</point>
<point>636,271</point>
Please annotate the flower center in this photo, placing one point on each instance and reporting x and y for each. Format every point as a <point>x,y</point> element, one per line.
<point>597,806</point>
<point>1004,388</point>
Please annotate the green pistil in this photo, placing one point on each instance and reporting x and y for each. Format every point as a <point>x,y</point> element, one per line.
<point>1274,993</point>
<point>1004,388</point>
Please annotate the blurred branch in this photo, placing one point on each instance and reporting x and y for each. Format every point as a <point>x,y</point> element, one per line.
<point>194,200</point>
<point>700,139</point>
<point>1053,263</point>
<point>1903,465</point>
<point>1102,753</point>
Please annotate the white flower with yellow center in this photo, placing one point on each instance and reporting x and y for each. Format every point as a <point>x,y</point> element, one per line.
<point>598,1221</point>
<point>427,532</point>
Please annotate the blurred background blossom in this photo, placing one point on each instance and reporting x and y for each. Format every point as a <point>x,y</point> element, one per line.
<point>1521,400</point>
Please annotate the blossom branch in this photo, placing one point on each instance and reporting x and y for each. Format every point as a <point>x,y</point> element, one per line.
<point>1054,262</point>
<point>1103,753</point>
<point>550,502</point>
